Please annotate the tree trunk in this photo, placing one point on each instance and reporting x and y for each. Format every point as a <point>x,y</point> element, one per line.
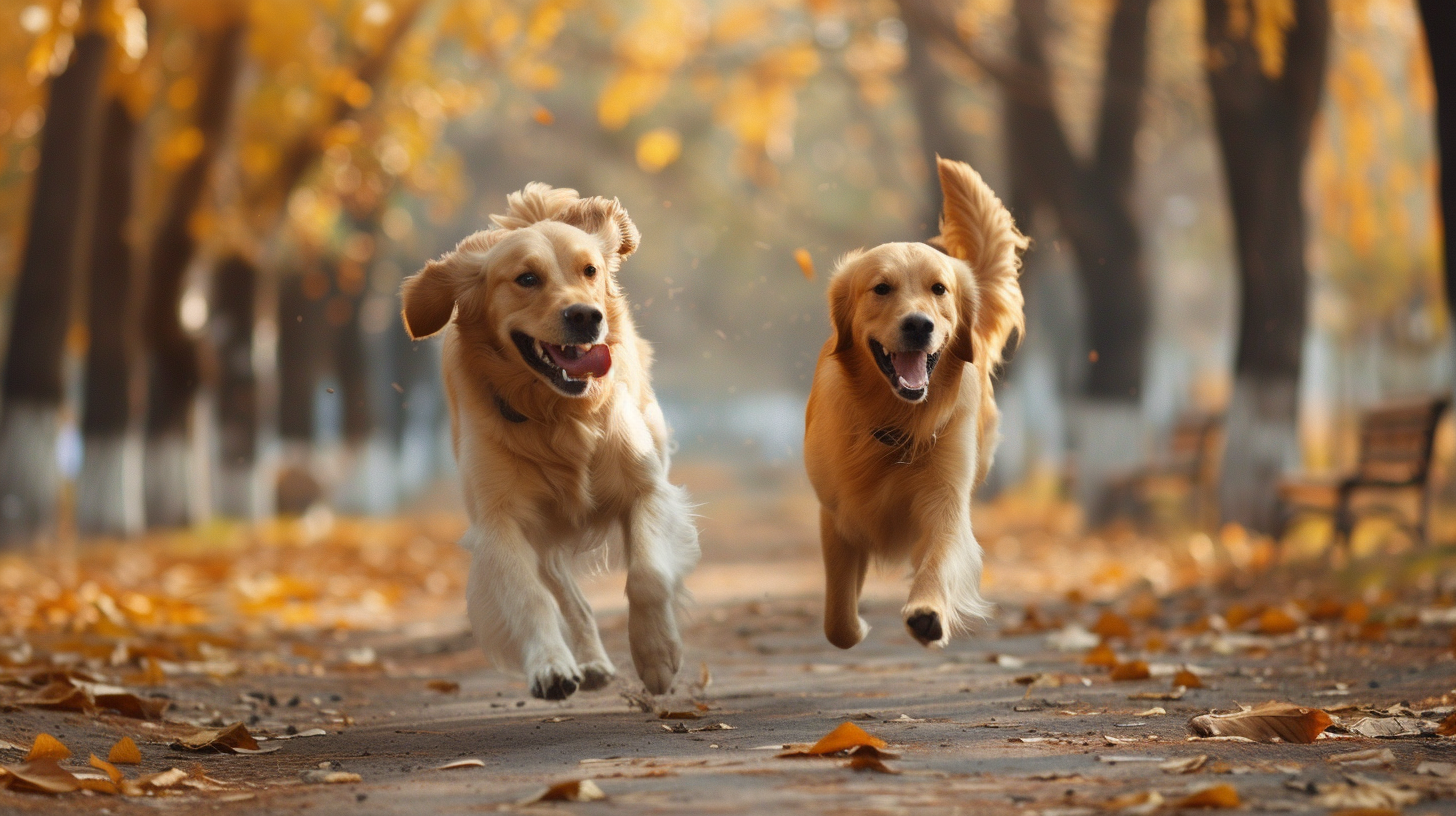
<point>174,371</point>
<point>234,299</point>
<point>108,493</point>
<point>1439,18</point>
<point>302,342</point>
<point>929,89</point>
<point>1263,124</point>
<point>32,387</point>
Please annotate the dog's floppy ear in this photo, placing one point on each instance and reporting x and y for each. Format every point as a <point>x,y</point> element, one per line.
<point>841,303</point>
<point>606,219</point>
<point>429,297</point>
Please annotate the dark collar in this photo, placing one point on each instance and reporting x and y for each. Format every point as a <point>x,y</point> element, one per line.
<point>506,411</point>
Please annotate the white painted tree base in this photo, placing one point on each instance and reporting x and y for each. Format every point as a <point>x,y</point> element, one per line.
<point>1262,446</point>
<point>1109,440</point>
<point>168,481</point>
<point>239,492</point>
<point>29,475</point>
<point>366,478</point>
<point>109,489</point>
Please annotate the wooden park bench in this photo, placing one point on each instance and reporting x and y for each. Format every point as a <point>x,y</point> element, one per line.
<point>1396,443</point>
<point>1187,472</point>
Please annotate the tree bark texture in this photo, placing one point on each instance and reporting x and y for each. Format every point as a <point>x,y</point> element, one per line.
<point>1439,18</point>
<point>929,90</point>
<point>108,495</point>
<point>41,304</point>
<point>1263,124</point>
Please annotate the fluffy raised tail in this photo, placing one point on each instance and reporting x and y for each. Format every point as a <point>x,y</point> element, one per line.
<point>977,228</point>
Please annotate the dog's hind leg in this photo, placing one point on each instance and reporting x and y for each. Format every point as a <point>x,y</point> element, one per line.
<point>581,626</point>
<point>662,548</point>
<point>845,567</point>
<point>515,617</point>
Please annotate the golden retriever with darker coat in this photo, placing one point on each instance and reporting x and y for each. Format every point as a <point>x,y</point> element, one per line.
<point>558,437</point>
<point>901,422</point>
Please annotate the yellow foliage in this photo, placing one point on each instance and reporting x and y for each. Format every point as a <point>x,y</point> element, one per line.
<point>182,93</point>
<point>1272,20</point>
<point>180,148</point>
<point>658,148</point>
<point>740,21</point>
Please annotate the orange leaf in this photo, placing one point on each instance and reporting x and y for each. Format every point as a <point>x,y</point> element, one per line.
<point>1218,796</point>
<point>125,752</point>
<point>444,686</point>
<point>1277,622</point>
<point>1131,670</point>
<point>47,747</point>
<point>805,262</point>
<point>844,737</point>
<point>111,770</point>
<point>1187,679</point>
<point>1236,615</point>
<point>1372,632</point>
<point>543,116</point>
<point>1101,655</point>
<point>1357,613</point>
<point>1112,625</point>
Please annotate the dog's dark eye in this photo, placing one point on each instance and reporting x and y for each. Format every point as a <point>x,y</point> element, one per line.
<point>938,289</point>
<point>590,271</point>
<point>882,289</point>
<point>528,279</point>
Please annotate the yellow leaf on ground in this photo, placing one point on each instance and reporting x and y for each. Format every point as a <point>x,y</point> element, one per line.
<point>47,747</point>
<point>1131,670</point>
<point>125,752</point>
<point>843,738</point>
<point>1186,679</point>
<point>1218,796</point>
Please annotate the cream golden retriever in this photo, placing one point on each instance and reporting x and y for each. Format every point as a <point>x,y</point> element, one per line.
<point>558,437</point>
<point>901,421</point>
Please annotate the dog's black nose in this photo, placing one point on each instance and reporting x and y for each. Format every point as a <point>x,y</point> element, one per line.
<point>582,320</point>
<point>916,329</point>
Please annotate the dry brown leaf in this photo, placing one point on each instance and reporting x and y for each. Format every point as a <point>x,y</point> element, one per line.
<point>1217,796</point>
<point>574,790</point>
<point>1236,615</point>
<point>125,752</point>
<point>1385,727</point>
<point>40,776</point>
<point>1112,625</point>
<point>130,705</point>
<point>443,686</point>
<point>462,763</point>
<point>1358,791</point>
<point>1447,728</point>
<point>1131,670</point>
<point>110,770</point>
<point>1187,679</point>
<point>47,747</point>
<point>1175,694</point>
<point>1370,757</point>
<point>1265,723</point>
<point>1101,655</point>
<point>99,785</point>
<point>1138,803</point>
<point>325,777</point>
<point>1184,765</point>
<point>58,696</point>
<point>869,758</point>
<point>234,739</point>
<point>846,736</point>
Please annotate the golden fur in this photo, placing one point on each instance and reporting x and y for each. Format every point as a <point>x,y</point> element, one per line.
<point>545,473</point>
<point>910,496</point>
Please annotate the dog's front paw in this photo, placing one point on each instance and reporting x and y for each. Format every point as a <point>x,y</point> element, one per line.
<point>847,637</point>
<point>596,674</point>
<point>657,662</point>
<point>925,626</point>
<point>554,683</point>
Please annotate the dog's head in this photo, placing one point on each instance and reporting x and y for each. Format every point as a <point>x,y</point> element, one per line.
<point>542,286</point>
<point>902,307</point>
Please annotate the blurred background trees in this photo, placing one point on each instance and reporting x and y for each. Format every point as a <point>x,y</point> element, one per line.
<point>209,206</point>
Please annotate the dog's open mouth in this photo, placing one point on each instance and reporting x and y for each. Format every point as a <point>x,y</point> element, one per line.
<point>568,369</point>
<point>908,371</point>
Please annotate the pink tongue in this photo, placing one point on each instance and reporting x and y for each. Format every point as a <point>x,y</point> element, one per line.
<point>910,368</point>
<point>596,361</point>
